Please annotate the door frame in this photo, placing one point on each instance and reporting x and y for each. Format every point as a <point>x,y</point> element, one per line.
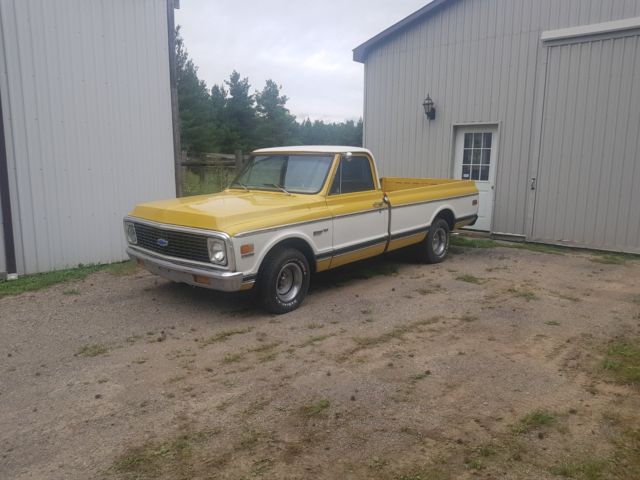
<point>497,126</point>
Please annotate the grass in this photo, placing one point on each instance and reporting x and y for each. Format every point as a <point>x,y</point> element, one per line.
<point>315,409</point>
<point>587,470</point>
<point>92,350</point>
<point>224,335</point>
<point>622,362</point>
<point>155,458</point>
<point>395,333</point>
<point>71,291</point>
<point>533,421</point>
<point>30,283</point>
<point>468,242</point>
<point>470,279</point>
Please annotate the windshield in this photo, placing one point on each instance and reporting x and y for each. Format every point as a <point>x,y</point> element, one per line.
<point>285,173</point>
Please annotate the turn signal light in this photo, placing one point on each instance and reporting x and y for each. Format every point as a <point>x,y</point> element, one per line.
<point>201,279</point>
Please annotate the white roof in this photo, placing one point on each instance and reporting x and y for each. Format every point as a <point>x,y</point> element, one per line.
<point>313,149</point>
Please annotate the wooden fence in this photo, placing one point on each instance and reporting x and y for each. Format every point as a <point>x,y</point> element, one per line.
<point>219,166</point>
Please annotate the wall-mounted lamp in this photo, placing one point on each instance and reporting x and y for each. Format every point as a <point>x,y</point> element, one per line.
<point>429,109</point>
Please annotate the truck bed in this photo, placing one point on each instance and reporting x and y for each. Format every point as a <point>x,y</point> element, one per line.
<point>402,191</point>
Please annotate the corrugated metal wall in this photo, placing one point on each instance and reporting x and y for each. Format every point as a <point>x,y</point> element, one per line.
<point>3,265</point>
<point>87,105</point>
<point>589,173</point>
<point>479,60</point>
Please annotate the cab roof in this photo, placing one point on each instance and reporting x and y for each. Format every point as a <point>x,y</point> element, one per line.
<point>314,149</point>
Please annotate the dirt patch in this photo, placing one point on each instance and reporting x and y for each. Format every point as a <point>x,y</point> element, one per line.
<point>499,363</point>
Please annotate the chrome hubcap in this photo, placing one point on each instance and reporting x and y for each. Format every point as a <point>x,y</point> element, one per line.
<point>289,282</point>
<point>439,242</point>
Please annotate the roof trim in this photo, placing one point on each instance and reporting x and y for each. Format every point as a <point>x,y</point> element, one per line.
<point>592,29</point>
<point>360,52</point>
<point>314,149</point>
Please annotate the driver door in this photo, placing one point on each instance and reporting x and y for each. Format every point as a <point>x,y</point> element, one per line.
<point>359,215</point>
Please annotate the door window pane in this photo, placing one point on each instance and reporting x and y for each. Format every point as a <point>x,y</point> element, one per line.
<point>468,140</point>
<point>484,174</point>
<point>466,172</point>
<point>487,140</point>
<point>477,140</point>
<point>486,156</point>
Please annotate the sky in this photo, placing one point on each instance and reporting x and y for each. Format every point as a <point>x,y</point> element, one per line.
<point>305,46</point>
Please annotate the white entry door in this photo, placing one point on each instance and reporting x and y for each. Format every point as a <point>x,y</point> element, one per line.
<point>475,159</point>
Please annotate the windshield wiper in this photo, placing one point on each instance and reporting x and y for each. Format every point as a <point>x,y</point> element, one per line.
<point>279,187</point>
<point>241,185</point>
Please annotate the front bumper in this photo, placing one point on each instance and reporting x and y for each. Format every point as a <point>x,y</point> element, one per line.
<point>182,273</point>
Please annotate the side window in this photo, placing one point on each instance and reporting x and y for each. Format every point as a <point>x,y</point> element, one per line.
<point>353,175</point>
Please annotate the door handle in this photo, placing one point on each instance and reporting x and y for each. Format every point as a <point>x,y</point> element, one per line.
<point>378,204</point>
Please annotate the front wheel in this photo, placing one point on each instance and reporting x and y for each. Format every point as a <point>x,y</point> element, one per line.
<point>283,281</point>
<point>434,248</point>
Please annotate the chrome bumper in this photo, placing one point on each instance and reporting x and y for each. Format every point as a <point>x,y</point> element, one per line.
<point>212,279</point>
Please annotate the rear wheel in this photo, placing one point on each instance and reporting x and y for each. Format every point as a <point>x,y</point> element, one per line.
<point>434,248</point>
<point>283,281</point>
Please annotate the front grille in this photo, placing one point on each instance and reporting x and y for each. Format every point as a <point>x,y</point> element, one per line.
<point>189,246</point>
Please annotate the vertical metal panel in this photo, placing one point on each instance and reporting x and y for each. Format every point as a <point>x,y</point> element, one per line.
<point>3,265</point>
<point>588,176</point>
<point>86,87</point>
<point>480,61</point>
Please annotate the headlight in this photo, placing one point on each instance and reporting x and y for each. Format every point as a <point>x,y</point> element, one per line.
<point>217,251</point>
<point>130,232</point>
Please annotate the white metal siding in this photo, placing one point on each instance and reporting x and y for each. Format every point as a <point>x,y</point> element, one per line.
<point>480,61</point>
<point>588,180</point>
<point>3,264</point>
<point>85,89</point>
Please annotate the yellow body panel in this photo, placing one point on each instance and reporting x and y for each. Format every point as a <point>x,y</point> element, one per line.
<point>406,241</point>
<point>357,255</point>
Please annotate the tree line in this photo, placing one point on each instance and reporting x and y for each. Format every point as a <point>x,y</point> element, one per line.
<point>228,117</point>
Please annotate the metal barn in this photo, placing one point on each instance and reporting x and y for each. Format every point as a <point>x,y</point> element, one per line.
<point>536,100</point>
<point>87,126</point>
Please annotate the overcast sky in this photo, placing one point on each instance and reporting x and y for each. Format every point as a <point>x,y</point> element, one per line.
<point>303,45</point>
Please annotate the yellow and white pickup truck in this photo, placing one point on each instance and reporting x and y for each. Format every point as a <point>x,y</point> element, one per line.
<point>291,212</point>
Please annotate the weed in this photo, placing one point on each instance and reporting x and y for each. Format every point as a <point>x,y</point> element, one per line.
<point>256,406</point>
<point>527,295</point>
<point>140,360</point>
<point>622,362</point>
<point>366,311</point>
<point>552,323</point>
<point>232,358</point>
<point>461,241</point>
<point>419,376</point>
<point>313,326</point>
<point>315,339</point>
<point>470,279</point>
<point>587,470</point>
<point>267,347</point>
<point>39,281</point>
<point>316,408</point>
<point>71,291</point>
<point>534,420</point>
<point>468,318</point>
<point>224,335</point>
<point>122,269</point>
<point>92,350</point>
<point>249,439</point>
<point>570,298</point>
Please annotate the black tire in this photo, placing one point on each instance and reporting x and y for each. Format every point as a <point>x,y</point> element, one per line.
<point>283,280</point>
<point>435,246</point>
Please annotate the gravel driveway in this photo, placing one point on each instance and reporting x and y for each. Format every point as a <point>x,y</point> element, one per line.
<point>492,364</point>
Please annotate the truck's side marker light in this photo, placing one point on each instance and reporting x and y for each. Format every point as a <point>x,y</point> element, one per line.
<point>246,249</point>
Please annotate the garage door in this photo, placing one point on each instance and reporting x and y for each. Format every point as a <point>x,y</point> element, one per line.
<point>588,180</point>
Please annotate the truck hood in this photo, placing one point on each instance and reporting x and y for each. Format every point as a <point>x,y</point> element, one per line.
<point>233,211</point>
